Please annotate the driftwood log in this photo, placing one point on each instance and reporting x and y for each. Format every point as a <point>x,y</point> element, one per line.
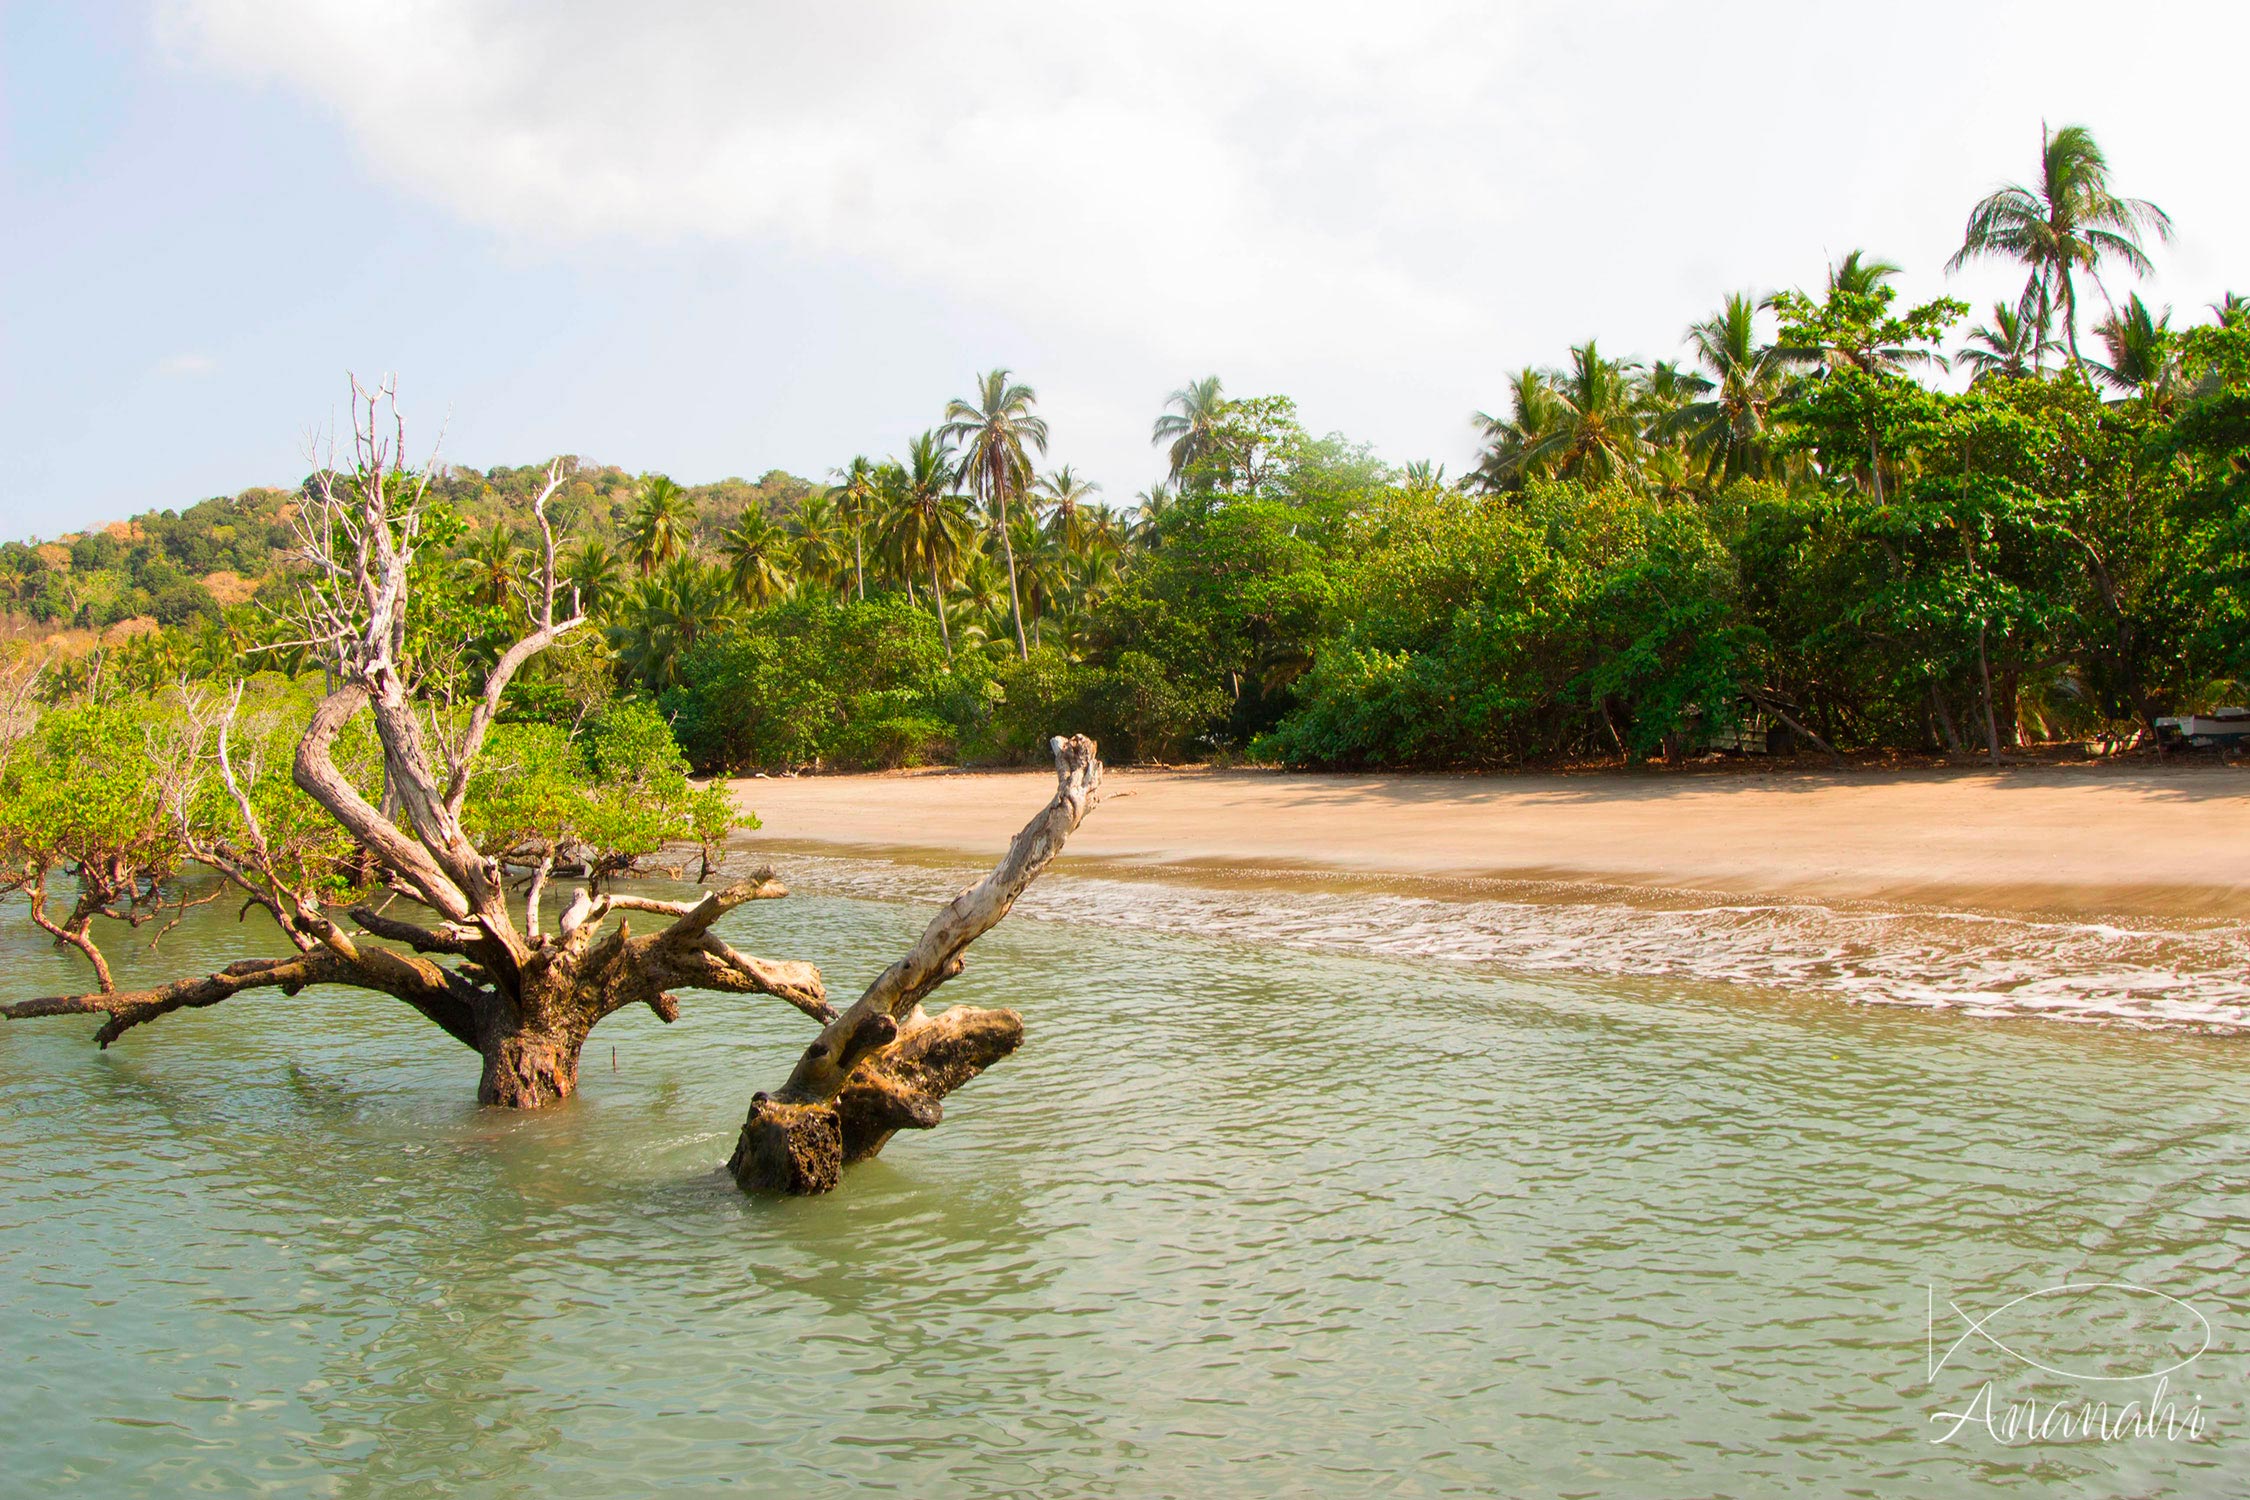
<point>885,1065</point>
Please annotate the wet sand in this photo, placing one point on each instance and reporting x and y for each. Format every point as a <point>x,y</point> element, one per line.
<point>2156,841</point>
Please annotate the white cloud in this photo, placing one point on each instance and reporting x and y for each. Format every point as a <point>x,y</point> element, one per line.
<point>1379,207</point>
<point>186,365</point>
<point>1118,168</point>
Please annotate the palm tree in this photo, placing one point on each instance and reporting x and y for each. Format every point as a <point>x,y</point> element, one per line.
<point>2231,309</point>
<point>1191,425</point>
<point>1069,502</point>
<point>2067,222</point>
<point>756,550</point>
<point>591,570</point>
<point>1597,430</point>
<point>1730,426</point>
<point>662,525</point>
<point>2007,346</point>
<point>1042,569</point>
<point>2142,357</point>
<point>1106,532</point>
<point>997,430</point>
<point>816,531</point>
<point>1150,508</point>
<point>1511,441</point>
<point>667,613</point>
<point>855,503</point>
<point>925,525</point>
<point>1859,275</point>
<point>492,565</point>
<point>1424,477</point>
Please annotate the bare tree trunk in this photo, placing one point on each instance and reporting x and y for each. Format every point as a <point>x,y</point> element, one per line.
<point>884,1065</point>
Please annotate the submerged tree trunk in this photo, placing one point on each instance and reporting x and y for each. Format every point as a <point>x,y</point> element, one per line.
<point>885,1065</point>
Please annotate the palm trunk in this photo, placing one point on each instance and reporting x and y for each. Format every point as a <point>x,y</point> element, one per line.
<point>1015,604</point>
<point>859,565</point>
<point>945,632</point>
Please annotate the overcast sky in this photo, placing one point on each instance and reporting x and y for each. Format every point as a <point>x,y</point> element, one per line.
<point>719,238</point>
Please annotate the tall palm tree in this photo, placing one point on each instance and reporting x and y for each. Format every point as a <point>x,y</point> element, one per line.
<point>998,432</point>
<point>1191,424</point>
<point>1730,426</point>
<point>757,553</point>
<point>855,503</point>
<point>925,525</point>
<point>2066,223</point>
<point>1512,441</point>
<point>2007,346</point>
<point>662,525</point>
<point>591,571</point>
<point>1597,432</point>
<point>1069,503</point>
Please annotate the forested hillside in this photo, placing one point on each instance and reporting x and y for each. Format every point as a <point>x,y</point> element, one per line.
<point>1831,520</point>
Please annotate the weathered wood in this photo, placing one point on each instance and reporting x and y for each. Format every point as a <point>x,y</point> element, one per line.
<point>883,1065</point>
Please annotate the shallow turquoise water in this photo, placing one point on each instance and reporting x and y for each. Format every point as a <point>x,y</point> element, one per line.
<point>1238,1220</point>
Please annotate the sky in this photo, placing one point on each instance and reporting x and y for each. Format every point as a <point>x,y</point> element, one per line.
<point>724,237</point>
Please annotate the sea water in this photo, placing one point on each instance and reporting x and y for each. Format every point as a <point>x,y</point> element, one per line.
<point>1313,1192</point>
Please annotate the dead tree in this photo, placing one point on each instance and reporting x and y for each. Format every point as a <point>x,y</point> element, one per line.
<point>523,998</point>
<point>885,1065</point>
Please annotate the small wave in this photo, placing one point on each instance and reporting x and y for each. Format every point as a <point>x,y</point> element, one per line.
<point>2190,977</point>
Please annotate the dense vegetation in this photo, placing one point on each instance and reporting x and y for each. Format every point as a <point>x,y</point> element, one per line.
<point>1798,526</point>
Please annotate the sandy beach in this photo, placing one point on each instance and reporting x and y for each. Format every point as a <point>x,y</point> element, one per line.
<point>2161,841</point>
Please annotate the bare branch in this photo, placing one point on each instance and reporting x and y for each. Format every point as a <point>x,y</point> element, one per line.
<point>447,938</point>
<point>821,1073</point>
<point>546,630</point>
<point>440,996</point>
<point>316,774</point>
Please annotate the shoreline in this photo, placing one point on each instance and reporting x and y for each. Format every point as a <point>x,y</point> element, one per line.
<point>2077,841</point>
